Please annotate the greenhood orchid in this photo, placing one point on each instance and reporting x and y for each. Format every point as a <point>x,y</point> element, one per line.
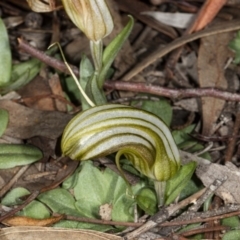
<point>142,137</point>
<point>102,129</point>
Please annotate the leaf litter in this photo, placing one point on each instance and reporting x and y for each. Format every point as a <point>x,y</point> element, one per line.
<point>43,110</point>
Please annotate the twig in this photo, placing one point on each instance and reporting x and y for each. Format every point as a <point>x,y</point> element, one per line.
<point>163,215</point>
<point>206,14</point>
<point>103,222</point>
<point>162,51</point>
<point>191,212</point>
<point>210,191</point>
<point>42,56</point>
<point>232,141</point>
<point>223,212</point>
<point>204,229</point>
<point>134,98</point>
<point>30,198</point>
<point>13,180</point>
<point>172,93</point>
<point>135,87</point>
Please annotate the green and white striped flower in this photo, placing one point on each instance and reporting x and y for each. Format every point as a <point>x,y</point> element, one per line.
<point>140,136</point>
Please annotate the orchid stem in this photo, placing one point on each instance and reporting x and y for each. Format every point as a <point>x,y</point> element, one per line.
<point>160,188</point>
<point>97,53</point>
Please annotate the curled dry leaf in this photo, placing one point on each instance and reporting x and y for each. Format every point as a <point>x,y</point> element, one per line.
<point>27,221</point>
<point>42,5</point>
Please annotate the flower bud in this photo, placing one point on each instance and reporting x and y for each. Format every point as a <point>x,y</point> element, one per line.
<point>91,16</point>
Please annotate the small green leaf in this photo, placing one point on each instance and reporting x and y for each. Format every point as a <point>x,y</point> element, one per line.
<point>86,73</point>
<point>94,91</point>
<point>112,50</point>
<point>13,197</point>
<point>12,155</point>
<point>4,117</point>
<point>59,201</point>
<point>95,188</point>
<point>71,90</point>
<point>182,135</point>
<point>28,68</point>
<point>147,200</point>
<point>235,46</point>
<point>192,227</point>
<point>5,56</point>
<point>192,187</point>
<point>71,181</point>
<point>22,74</point>
<point>160,108</point>
<point>35,210</point>
<point>179,182</point>
<point>232,222</point>
<point>231,235</point>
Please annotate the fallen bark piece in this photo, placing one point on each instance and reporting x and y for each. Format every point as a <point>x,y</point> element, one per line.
<point>230,190</point>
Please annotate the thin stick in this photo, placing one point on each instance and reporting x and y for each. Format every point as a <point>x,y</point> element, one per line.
<point>43,57</point>
<point>162,51</point>
<point>172,93</point>
<point>21,171</point>
<point>134,87</point>
<point>163,215</point>
<point>30,198</point>
<point>232,141</point>
<point>89,101</point>
<point>209,191</point>
<point>192,210</point>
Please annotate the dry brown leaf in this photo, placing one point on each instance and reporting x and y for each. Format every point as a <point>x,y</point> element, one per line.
<point>27,221</point>
<point>207,13</point>
<point>55,85</point>
<point>42,5</point>
<point>230,190</point>
<point>32,94</point>
<point>25,122</point>
<point>47,233</point>
<point>213,55</point>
